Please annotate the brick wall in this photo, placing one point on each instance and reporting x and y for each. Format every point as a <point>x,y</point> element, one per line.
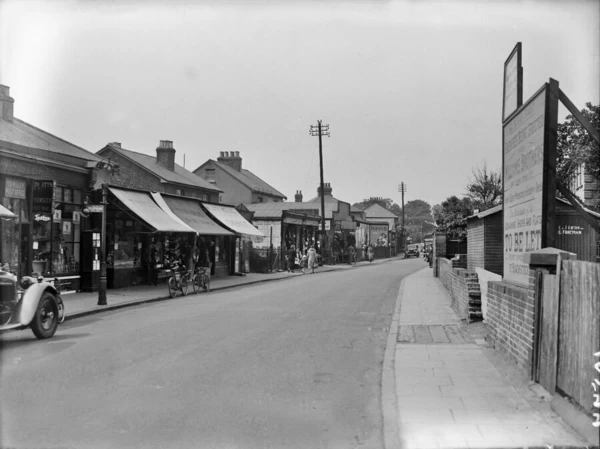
<point>510,316</point>
<point>494,244</point>
<point>462,286</point>
<point>475,243</point>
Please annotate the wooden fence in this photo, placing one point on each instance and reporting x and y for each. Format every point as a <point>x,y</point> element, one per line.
<point>578,330</point>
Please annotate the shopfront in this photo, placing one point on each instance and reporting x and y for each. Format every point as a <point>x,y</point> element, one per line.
<point>229,218</point>
<point>45,237</point>
<point>141,241</point>
<point>213,244</point>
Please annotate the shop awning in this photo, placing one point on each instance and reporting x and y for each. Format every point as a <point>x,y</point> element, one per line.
<point>191,213</point>
<point>231,218</point>
<point>5,213</point>
<point>142,205</point>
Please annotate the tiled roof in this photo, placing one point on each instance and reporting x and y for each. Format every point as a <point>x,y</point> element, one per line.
<point>332,200</point>
<point>179,176</point>
<point>251,180</point>
<point>22,133</point>
<point>275,210</point>
<point>377,211</point>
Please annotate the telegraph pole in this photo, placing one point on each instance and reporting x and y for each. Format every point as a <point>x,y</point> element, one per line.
<point>321,130</point>
<point>402,189</point>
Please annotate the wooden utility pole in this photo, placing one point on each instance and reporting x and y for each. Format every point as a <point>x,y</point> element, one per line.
<point>321,130</point>
<point>402,189</point>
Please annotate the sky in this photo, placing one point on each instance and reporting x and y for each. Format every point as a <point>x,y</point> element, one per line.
<point>411,90</point>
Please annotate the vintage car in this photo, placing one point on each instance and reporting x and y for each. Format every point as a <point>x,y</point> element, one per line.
<point>412,250</point>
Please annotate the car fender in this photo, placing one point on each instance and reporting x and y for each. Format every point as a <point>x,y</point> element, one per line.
<point>31,300</point>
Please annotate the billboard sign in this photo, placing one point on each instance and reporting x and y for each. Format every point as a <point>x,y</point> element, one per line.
<point>527,183</point>
<point>513,83</point>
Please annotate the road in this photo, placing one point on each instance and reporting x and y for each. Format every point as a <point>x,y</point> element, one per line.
<point>294,363</point>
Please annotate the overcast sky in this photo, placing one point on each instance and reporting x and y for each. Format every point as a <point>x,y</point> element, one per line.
<point>412,90</point>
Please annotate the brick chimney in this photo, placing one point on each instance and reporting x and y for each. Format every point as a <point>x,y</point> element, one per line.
<point>116,144</point>
<point>231,158</point>
<point>7,104</point>
<point>298,196</point>
<point>327,189</point>
<point>165,154</point>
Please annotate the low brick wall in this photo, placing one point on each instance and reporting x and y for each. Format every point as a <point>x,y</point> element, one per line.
<point>460,283</point>
<point>510,315</point>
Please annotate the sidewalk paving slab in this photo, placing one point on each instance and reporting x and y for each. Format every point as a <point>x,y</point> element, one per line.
<point>450,390</point>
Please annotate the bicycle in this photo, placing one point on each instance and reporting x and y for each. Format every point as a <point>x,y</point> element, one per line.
<point>179,281</point>
<point>201,280</point>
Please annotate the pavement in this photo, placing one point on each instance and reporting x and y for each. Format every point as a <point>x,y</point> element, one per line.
<point>79,304</point>
<point>452,389</point>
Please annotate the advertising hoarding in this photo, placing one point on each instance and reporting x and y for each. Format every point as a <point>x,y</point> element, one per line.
<point>513,83</point>
<point>524,185</point>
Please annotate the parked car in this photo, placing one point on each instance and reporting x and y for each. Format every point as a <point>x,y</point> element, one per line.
<point>412,250</point>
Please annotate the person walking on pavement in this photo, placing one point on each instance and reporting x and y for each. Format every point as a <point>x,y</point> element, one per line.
<point>371,253</point>
<point>304,262</point>
<point>312,258</point>
<point>351,255</point>
<point>291,258</point>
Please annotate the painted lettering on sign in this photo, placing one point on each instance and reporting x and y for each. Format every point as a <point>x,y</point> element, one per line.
<point>39,217</point>
<point>523,186</point>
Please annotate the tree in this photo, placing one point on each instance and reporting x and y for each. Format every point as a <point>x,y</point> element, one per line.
<point>485,188</point>
<point>418,219</point>
<point>575,146</point>
<point>451,216</point>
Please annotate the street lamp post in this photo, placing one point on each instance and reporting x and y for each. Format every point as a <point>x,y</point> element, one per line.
<point>103,281</point>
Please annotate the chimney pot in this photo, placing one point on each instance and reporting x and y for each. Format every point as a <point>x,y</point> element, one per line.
<point>232,159</point>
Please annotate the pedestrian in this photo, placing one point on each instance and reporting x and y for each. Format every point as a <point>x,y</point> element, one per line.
<point>371,253</point>
<point>291,258</point>
<point>312,258</point>
<point>351,254</point>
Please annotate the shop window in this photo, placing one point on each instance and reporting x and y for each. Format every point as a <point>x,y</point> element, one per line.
<point>10,233</point>
<point>66,231</point>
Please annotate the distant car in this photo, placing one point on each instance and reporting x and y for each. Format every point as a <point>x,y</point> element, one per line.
<point>412,250</point>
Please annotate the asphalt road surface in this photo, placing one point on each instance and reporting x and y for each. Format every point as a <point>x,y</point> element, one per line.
<point>293,363</point>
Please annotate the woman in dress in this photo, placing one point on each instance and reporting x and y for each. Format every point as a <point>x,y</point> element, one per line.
<point>312,258</point>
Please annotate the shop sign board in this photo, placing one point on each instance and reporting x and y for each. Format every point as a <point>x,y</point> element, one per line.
<point>15,188</point>
<point>95,208</point>
<point>43,195</point>
<point>513,83</point>
<point>528,183</point>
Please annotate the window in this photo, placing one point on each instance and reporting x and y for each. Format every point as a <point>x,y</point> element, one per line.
<point>180,192</point>
<point>66,232</point>
<point>209,175</point>
<point>260,199</point>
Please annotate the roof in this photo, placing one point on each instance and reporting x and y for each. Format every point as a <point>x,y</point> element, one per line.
<point>377,211</point>
<point>179,176</point>
<point>493,210</point>
<point>486,212</point>
<point>275,210</point>
<point>329,199</point>
<point>249,179</point>
<point>22,133</point>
